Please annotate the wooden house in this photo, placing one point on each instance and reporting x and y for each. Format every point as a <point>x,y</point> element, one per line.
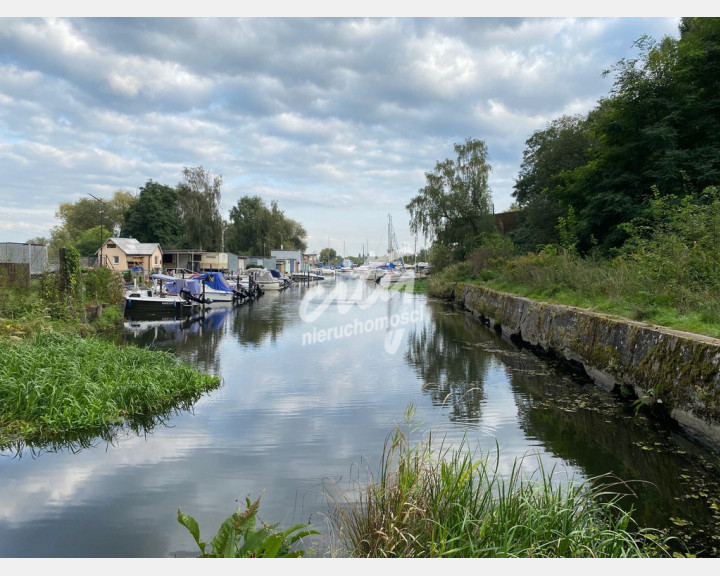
<point>123,254</point>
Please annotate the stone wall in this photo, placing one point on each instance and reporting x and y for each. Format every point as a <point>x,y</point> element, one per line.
<point>676,371</point>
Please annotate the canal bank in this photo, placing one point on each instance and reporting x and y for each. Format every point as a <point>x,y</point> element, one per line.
<point>674,373</point>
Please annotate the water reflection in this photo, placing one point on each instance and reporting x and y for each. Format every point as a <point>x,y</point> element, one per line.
<point>452,372</point>
<point>294,415</point>
<point>251,331</point>
<point>671,482</point>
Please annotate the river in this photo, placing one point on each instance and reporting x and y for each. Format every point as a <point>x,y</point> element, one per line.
<point>314,379</point>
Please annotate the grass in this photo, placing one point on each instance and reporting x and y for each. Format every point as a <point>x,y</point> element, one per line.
<point>54,385</point>
<point>431,503</point>
<point>616,287</point>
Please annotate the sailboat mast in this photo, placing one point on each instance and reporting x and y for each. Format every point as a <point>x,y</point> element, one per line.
<point>390,242</point>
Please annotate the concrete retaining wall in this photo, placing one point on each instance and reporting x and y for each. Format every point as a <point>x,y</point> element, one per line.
<point>677,371</point>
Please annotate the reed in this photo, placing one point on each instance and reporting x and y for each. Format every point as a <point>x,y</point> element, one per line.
<point>442,502</point>
<point>54,384</point>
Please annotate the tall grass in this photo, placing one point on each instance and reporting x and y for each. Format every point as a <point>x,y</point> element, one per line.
<point>666,273</point>
<point>443,502</point>
<point>618,286</point>
<point>54,384</point>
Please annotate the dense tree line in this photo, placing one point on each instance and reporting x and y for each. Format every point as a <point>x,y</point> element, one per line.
<point>657,132</point>
<point>185,216</point>
<point>256,229</point>
<point>585,179</point>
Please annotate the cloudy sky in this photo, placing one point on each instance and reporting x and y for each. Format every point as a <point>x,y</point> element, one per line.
<point>336,119</point>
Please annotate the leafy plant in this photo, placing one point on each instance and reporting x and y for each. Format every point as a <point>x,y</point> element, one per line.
<point>240,537</point>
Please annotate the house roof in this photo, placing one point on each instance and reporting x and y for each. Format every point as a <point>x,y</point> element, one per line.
<point>132,247</point>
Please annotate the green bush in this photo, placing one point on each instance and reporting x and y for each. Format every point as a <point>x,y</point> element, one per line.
<point>104,286</point>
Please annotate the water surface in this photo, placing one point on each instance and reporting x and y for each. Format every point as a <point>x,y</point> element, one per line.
<point>314,380</point>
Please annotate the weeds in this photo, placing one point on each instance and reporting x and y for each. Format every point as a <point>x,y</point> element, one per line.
<point>440,502</point>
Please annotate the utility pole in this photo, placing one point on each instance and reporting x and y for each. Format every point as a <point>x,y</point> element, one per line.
<point>102,205</point>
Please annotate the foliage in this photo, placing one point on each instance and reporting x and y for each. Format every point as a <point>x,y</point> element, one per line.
<point>88,242</point>
<point>430,501</point>
<point>440,257</point>
<point>329,255</point>
<point>155,216</point>
<point>657,131</point>
<point>104,285</point>
<point>92,385</point>
<point>548,153</point>
<point>454,207</point>
<point>72,291</point>
<point>256,229</point>
<point>18,302</point>
<point>86,221</point>
<point>675,247</point>
<point>567,228</point>
<point>240,537</point>
<point>537,223</point>
<point>199,203</point>
<point>495,250</point>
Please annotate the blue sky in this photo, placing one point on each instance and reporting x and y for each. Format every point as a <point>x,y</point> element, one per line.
<point>337,119</point>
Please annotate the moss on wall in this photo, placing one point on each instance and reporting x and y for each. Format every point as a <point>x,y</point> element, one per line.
<point>681,370</point>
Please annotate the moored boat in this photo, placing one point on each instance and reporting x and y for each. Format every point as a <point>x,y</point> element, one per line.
<point>166,293</point>
<point>216,288</point>
<point>265,280</point>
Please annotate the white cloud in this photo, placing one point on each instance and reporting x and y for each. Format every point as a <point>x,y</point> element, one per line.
<point>337,119</point>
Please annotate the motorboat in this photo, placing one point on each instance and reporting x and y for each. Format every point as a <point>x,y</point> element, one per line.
<point>265,280</point>
<point>167,293</point>
<point>215,287</point>
<point>280,276</point>
<point>396,276</point>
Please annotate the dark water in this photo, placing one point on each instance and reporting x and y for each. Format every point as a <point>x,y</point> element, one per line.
<point>314,380</point>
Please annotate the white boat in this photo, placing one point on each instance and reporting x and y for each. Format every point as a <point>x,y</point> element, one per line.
<point>265,280</point>
<point>396,277</point>
<point>393,271</point>
<point>324,271</point>
<point>216,288</point>
<point>372,271</point>
<point>307,276</point>
<point>166,294</point>
<point>286,282</point>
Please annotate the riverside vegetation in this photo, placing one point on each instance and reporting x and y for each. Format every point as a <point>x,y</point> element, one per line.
<point>431,501</point>
<point>667,272</point>
<point>61,382</point>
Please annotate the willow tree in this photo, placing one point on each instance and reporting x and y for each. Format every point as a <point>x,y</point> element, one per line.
<point>199,202</point>
<point>256,229</point>
<point>454,208</point>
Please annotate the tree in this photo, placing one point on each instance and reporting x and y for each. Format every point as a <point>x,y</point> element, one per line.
<point>155,216</point>
<point>256,229</point>
<point>329,256</point>
<point>248,226</point>
<point>103,217</point>
<point>454,207</point>
<point>199,201</point>
<point>549,154</point>
<point>636,144</point>
<point>697,73</point>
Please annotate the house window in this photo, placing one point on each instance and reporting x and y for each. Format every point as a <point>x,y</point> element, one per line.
<point>156,260</point>
<point>111,245</point>
<point>116,259</point>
